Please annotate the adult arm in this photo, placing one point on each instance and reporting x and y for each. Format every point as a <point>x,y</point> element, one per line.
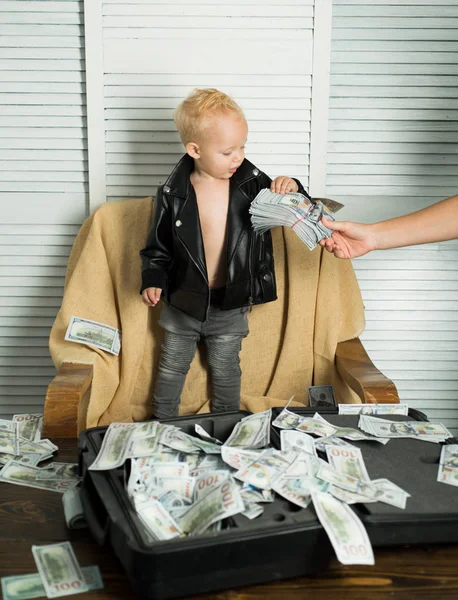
<point>436,223</point>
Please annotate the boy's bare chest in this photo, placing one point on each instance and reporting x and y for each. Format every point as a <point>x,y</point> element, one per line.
<point>213,205</point>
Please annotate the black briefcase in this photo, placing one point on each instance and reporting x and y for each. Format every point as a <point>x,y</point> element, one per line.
<point>285,541</point>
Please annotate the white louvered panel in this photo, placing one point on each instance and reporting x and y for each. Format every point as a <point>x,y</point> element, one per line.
<point>43,184</point>
<point>393,149</point>
<point>155,53</point>
<point>32,268</point>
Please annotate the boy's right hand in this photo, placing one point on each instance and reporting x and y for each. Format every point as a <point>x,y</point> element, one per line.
<point>151,296</point>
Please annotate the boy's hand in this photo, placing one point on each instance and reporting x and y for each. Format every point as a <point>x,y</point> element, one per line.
<point>151,296</point>
<point>282,185</point>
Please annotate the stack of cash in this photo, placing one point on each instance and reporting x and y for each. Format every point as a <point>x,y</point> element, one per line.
<point>418,430</point>
<point>293,210</point>
<point>448,465</point>
<point>22,449</point>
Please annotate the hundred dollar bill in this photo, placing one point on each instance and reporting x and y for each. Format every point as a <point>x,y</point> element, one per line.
<point>237,458</point>
<point>373,409</point>
<point>6,425</point>
<point>207,482</point>
<point>392,493</point>
<point>158,521</point>
<point>349,432</point>
<point>30,426</point>
<point>448,465</point>
<point>422,430</point>
<point>73,509</point>
<point>347,482</point>
<point>296,441</point>
<point>59,471</point>
<point>263,471</point>
<point>252,431</point>
<point>182,486</point>
<point>293,489</point>
<point>9,441</point>
<point>221,503</point>
<point>316,425</point>
<point>348,460</point>
<point>22,587</point>
<point>323,442</point>
<point>176,439</point>
<point>99,335</point>
<point>345,530</point>
<point>59,570</point>
<point>252,510</point>
<point>115,446</point>
<point>18,474</point>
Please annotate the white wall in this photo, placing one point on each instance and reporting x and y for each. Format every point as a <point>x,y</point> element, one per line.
<point>43,184</point>
<point>393,149</point>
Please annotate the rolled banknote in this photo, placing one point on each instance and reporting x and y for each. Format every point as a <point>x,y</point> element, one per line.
<point>73,509</point>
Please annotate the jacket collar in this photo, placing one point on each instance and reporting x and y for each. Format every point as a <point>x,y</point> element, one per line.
<point>178,181</point>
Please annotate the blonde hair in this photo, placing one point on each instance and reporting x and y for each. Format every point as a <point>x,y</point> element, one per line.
<point>200,105</point>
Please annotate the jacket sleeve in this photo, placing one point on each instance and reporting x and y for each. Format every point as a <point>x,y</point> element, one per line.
<point>157,254</point>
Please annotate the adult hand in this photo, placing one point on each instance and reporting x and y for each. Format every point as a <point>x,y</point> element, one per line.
<point>151,296</point>
<point>349,240</point>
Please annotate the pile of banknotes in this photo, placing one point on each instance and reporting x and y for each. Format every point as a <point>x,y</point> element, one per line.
<point>186,484</point>
<point>22,450</point>
<point>293,210</point>
<point>59,574</point>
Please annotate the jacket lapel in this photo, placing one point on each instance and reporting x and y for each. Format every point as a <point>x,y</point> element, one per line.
<point>188,230</point>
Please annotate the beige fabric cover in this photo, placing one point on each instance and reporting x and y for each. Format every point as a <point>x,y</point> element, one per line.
<point>291,345</point>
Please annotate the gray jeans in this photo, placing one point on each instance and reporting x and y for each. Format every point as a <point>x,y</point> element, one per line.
<point>222,333</point>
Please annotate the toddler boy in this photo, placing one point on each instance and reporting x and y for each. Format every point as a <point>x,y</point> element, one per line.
<point>202,255</point>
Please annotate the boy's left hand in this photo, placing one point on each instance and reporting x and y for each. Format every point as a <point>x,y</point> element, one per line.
<point>282,185</point>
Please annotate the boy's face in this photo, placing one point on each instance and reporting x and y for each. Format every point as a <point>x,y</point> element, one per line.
<point>221,148</point>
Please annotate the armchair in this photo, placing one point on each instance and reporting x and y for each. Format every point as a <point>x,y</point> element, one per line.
<point>309,336</point>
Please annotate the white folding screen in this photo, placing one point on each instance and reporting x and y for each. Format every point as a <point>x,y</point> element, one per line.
<point>393,149</point>
<point>155,52</point>
<point>43,184</point>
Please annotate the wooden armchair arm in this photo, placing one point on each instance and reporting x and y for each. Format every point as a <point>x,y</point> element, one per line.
<point>65,393</point>
<point>357,370</point>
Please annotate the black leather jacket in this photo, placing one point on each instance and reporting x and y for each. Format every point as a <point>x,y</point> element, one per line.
<point>174,258</point>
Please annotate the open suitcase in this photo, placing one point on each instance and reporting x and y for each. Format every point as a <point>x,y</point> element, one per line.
<point>285,541</point>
